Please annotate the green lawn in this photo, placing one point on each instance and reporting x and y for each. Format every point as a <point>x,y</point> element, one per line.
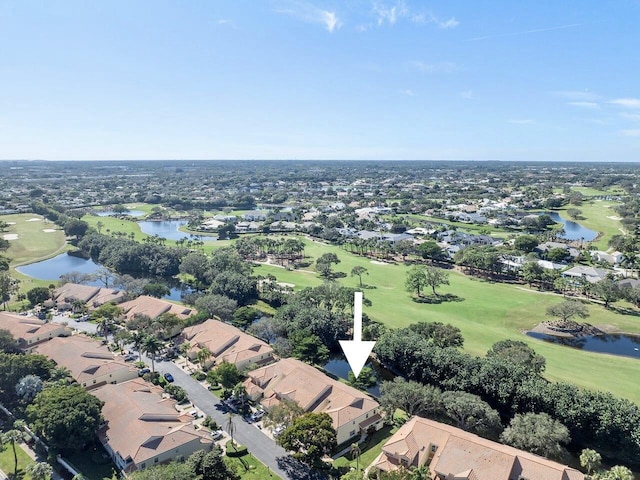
<point>250,468</point>
<point>369,450</point>
<point>595,215</point>
<point>6,461</point>
<point>485,313</point>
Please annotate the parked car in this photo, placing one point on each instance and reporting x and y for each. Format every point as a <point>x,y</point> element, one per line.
<point>194,413</point>
<point>257,415</point>
<point>168,377</point>
<point>130,357</point>
<point>84,318</point>
<point>216,435</point>
<point>142,371</point>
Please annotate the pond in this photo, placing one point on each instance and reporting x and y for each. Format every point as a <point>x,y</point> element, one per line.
<point>614,344</point>
<point>338,366</point>
<point>573,230</point>
<point>55,267</point>
<point>169,229</point>
<point>132,213</point>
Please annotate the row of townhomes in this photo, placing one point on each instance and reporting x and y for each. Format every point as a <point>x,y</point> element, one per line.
<point>454,454</point>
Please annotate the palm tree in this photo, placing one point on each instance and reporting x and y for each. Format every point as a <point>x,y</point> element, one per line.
<point>138,339</point>
<point>354,450</point>
<point>13,436</point>
<point>99,226</point>
<point>28,387</point>
<point>202,356</point>
<point>240,393</point>
<point>231,427</point>
<point>39,470</point>
<point>152,345</point>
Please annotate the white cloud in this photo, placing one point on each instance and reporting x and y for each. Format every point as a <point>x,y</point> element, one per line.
<point>391,13</point>
<point>522,121</point>
<point>577,95</point>
<point>468,95</point>
<point>589,105</point>
<point>312,14</point>
<point>627,102</point>
<point>408,92</point>
<point>631,133</point>
<point>435,68</point>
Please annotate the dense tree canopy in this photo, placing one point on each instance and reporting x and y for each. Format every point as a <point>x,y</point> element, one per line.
<point>311,436</point>
<point>67,417</point>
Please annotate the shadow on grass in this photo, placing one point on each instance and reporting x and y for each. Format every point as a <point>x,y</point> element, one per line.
<point>365,286</point>
<point>436,299</point>
<point>625,311</point>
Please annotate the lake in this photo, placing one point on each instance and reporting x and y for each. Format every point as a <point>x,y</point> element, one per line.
<point>338,366</point>
<point>573,230</point>
<point>132,213</point>
<point>169,229</point>
<point>614,344</point>
<point>55,267</point>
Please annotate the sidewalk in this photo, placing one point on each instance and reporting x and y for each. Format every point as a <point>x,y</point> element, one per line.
<point>29,451</point>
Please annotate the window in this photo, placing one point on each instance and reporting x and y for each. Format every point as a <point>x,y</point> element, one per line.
<point>142,466</point>
<point>155,460</point>
<point>366,416</point>
<point>434,448</point>
<point>352,433</point>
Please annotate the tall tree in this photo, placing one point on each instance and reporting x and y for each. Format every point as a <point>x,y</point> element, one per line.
<point>435,277</point>
<point>537,433</point>
<point>8,286</point>
<point>568,309</point>
<point>411,397</point>
<point>39,470</point>
<point>469,412</point>
<point>311,436</point>
<point>416,279</point>
<point>12,436</point>
<point>151,345</point>
<point>358,271</point>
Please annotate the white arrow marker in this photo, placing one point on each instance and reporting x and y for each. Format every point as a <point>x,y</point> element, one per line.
<point>357,351</point>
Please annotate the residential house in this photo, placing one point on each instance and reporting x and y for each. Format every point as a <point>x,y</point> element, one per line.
<point>153,308</point>
<point>454,454</point>
<point>143,428</point>
<point>352,411</point>
<point>226,344</point>
<point>28,332</point>
<point>64,296</point>
<point>91,364</point>
<point>590,274</point>
<point>255,216</point>
<point>614,258</point>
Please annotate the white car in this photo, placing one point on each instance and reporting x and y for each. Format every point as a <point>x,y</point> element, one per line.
<point>216,435</point>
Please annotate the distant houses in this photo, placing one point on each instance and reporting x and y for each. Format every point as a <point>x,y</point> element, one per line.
<point>153,307</point>
<point>352,411</point>
<point>454,454</point>
<point>67,294</point>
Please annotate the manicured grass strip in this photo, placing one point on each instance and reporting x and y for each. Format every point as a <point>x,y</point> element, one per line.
<point>250,468</point>
<point>6,462</point>
<point>369,450</point>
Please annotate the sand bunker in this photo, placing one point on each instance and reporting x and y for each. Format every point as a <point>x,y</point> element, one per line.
<point>34,220</point>
<point>377,262</point>
<point>11,223</point>
<point>10,236</point>
<point>49,230</point>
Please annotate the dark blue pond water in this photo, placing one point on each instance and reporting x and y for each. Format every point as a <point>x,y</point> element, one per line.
<point>169,229</point>
<point>615,344</point>
<point>133,213</point>
<point>573,230</point>
<point>55,267</point>
<point>338,366</point>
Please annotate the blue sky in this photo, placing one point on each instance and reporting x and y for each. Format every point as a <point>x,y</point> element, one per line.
<point>351,79</point>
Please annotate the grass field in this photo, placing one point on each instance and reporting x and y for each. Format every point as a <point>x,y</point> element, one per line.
<point>368,450</point>
<point>6,461</point>
<point>485,313</point>
<point>250,468</point>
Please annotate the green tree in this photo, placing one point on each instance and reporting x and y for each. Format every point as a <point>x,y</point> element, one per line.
<point>28,387</point>
<point>7,342</point>
<point>8,286</point>
<point>215,305</point>
<point>590,460</point>
<point>39,470</point>
<point>243,317</point>
<point>284,413</point>
<point>151,345</point>
<point>469,412</point>
<point>230,425</point>
<point>202,356</point>
<point>311,436</point>
<point>537,433</point>
<point>210,466</point>
<point>324,264</point>
<point>38,295</point>
<point>608,290</point>
<point>416,279</point>
<point>226,374</point>
<point>67,417</point>
<point>574,213</point>
<point>354,451</point>
<point>157,290</point>
<point>519,353</point>
<point>525,243</point>
<point>436,277</point>
<point>170,471</point>
<point>619,473</point>
<point>13,436</point>
<point>431,250</point>
<point>568,309</point>
<point>366,379</point>
<point>310,349</point>
<point>411,397</point>
<point>358,271</point>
